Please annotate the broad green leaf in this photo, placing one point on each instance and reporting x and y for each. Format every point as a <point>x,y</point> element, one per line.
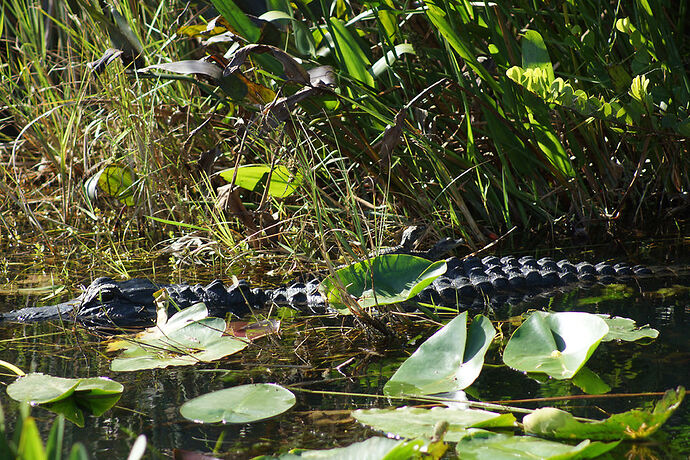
<point>283,183</point>
<point>482,445</point>
<point>238,20</point>
<point>449,360</point>
<point>350,53</point>
<point>69,397</point>
<point>112,181</point>
<point>557,344</point>
<point>200,341</point>
<point>633,424</point>
<point>535,54</point>
<point>242,404</point>
<point>413,422</point>
<point>385,62</point>
<point>625,329</point>
<point>383,280</point>
<point>376,448</point>
<point>589,382</point>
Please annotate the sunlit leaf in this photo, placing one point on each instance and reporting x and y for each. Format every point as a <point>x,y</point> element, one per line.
<point>449,360</point>
<point>241,404</point>
<point>70,397</point>
<point>625,329</point>
<point>283,182</point>
<point>633,424</point>
<point>350,53</point>
<point>414,422</point>
<point>382,280</point>
<point>482,445</point>
<point>557,344</point>
<point>113,181</point>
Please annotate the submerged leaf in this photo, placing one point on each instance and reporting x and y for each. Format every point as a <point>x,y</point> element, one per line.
<point>242,404</point>
<point>633,424</point>
<point>557,344</point>
<point>383,280</point>
<point>449,360</point>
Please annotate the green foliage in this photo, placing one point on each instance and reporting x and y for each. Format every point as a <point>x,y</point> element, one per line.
<point>241,404</point>
<point>181,341</point>
<point>557,344</point>
<point>68,397</point>
<point>281,185</point>
<point>381,280</point>
<point>450,360</point>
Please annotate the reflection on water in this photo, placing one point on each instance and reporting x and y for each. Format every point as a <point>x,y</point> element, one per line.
<point>324,354</point>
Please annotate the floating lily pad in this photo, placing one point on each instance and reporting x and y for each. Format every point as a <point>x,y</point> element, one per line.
<point>382,280</point>
<point>557,344</point>
<point>482,445</point>
<point>283,182</point>
<point>375,448</point>
<point>413,422</point>
<point>449,360</point>
<point>181,341</point>
<point>625,329</point>
<point>242,404</point>
<point>633,424</point>
<point>70,397</point>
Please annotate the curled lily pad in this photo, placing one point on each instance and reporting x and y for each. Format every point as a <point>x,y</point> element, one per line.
<point>557,344</point>
<point>242,404</point>
<point>383,280</point>
<point>633,424</point>
<point>449,360</point>
<point>70,397</point>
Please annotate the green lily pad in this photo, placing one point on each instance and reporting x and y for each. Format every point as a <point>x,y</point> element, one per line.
<point>413,422</point>
<point>376,448</point>
<point>557,344</point>
<point>633,424</point>
<point>70,397</point>
<point>382,280</point>
<point>183,341</point>
<point>242,404</point>
<point>283,182</point>
<point>625,329</point>
<point>482,444</point>
<point>449,360</point>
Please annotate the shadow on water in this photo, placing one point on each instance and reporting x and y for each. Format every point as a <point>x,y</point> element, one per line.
<point>330,355</point>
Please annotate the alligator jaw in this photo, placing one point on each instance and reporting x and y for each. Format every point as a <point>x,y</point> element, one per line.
<point>31,314</point>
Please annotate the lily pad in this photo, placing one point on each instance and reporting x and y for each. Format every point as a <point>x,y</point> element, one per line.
<point>382,280</point>
<point>242,404</point>
<point>375,448</point>
<point>485,444</point>
<point>633,424</point>
<point>413,422</point>
<point>625,329</point>
<point>70,397</point>
<point>283,182</point>
<point>557,344</point>
<point>449,360</point>
<point>180,341</point>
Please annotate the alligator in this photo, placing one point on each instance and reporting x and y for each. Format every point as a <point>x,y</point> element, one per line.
<point>468,282</point>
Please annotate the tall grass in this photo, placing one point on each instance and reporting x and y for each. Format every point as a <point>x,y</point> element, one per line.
<point>481,137</point>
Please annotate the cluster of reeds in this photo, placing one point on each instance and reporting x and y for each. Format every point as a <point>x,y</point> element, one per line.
<point>471,117</point>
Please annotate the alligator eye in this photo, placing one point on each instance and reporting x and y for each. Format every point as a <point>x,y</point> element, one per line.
<point>106,296</point>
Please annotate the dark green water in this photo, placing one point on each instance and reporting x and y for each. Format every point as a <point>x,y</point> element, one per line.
<point>325,355</point>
